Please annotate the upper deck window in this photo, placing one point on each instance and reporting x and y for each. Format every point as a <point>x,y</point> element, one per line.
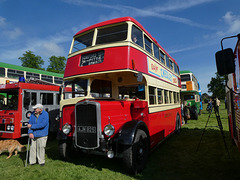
<point>171,65</point>
<point>148,44</point>
<point>82,41</point>
<point>167,62</point>
<point>32,75</point>
<point>112,34</point>
<point>12,73</point>
<point>137,36</point>
<point>176,68</point>
<point>2,72</point>
<point>185,77</point>
<point>47,78</point>
<point>156,51</point>
<point>162,55</point>
<point>58,80</point>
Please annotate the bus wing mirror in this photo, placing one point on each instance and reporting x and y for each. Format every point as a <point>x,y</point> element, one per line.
<point>225,62</point>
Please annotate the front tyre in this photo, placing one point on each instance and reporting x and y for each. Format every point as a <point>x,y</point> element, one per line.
<point>196,115</point>
<point>135,156</point>
<point>64,147</point>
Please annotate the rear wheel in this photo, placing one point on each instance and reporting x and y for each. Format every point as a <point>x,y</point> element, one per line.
<point>178,125</point>
<point>135,156</point>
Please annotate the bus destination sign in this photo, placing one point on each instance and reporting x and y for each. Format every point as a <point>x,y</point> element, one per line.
<point>93,58</point>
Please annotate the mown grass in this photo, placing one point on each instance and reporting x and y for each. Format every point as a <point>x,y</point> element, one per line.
<point>175,158</point>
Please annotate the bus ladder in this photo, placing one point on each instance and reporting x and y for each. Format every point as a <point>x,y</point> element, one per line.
<point>220,128</point>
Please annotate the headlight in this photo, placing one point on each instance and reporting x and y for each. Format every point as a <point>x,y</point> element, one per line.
<point>66,128</point>
<point>12,128</point>
<point>8,127</point>
<point>109,130</point>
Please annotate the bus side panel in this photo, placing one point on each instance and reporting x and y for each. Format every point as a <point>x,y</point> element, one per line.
<point>162,124</point>
<point>139,60</point>
<point>236,122</point>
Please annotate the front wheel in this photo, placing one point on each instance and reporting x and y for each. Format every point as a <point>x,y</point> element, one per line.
<point>196,115</point>
<point>135,156</point>
<point>64,147</point>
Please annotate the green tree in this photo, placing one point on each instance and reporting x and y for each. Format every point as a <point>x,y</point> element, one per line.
<point>31,60</point>
<point>217,86</point>
<point>57,64</point>
<point>205,97</point>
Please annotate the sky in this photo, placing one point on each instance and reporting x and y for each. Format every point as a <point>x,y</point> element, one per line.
<point>189,30</point>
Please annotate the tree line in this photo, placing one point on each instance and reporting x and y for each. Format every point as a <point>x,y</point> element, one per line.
<point>56,64</point>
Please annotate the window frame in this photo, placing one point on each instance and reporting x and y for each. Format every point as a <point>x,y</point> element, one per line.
<point>148,44</point>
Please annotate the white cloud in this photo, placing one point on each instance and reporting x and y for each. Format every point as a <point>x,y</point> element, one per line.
<point>49,49</point>
<point>8,30</point>
<point>44,47</point>
<point>153,11</point>
<point>231,25</point>
<point>13,33</point>
<point>2,21</point>
<point>175,5</point>
<point>233,21</point>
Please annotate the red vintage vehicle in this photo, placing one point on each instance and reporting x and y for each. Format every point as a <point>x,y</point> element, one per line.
<point>228,63</point>
<point>16,101</point>
<point>121,94</point>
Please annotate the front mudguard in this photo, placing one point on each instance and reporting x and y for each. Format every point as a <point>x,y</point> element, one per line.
<point>128,131</point>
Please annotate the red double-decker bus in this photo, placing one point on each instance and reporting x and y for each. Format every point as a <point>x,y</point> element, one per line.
<point>125,93</point>
<point>228,63</point>
<point>16,101</point>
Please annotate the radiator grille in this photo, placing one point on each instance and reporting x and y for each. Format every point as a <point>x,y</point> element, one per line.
<point>87,124</point>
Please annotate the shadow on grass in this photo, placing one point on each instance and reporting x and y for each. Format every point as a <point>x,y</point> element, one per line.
<point>174,158</point>
<point>178,157</point>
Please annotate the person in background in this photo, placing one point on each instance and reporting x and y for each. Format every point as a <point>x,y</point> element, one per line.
<point>217,105</point>
<point>38,133</point>
<point>186,110</point>
<point>182,112</point>
<point>210,106</point>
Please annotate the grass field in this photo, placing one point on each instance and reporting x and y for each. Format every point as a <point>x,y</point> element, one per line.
<point>175,158</point>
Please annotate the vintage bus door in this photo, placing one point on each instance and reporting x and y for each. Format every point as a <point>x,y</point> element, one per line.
<point>29,99</point>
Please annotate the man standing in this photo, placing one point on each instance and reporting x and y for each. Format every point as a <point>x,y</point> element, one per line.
<point>217,105</point>
<point>186,111</point>
<point>38,132</point>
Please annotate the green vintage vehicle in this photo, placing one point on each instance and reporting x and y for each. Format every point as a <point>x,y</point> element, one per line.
<point>190,93</point>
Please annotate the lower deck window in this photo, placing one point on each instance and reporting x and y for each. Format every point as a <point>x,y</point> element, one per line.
<point>132,91</point>
<point>166,97</point>
<point>101,88</point>
<point>152,96</point>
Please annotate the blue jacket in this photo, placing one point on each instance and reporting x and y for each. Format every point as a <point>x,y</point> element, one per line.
<point>39,126</point>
